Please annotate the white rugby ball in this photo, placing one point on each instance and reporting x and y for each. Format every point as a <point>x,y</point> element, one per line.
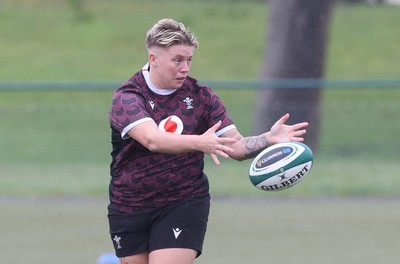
<point>281,166</point>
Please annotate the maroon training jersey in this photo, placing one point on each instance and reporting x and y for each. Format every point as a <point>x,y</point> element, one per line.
<point>140,179</point>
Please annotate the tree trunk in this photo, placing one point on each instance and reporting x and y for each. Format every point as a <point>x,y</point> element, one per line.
<point>295,48</point>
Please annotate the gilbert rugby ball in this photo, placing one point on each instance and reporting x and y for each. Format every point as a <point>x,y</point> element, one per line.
<point>281,166</point>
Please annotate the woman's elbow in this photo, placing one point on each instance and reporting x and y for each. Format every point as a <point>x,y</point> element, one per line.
<point>152,145</point>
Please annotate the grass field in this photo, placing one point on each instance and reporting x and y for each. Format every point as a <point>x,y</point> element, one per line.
<point>298,231</point>
<point>51,40</point>
<point>358,156</point>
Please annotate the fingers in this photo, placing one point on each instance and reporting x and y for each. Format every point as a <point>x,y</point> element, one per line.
<point>218,146</point>
<point>216,126</point>
<point>297,126</point>
<point>283,119</point>
<point>222,151</point>
<point>227,140</point>
<point>300,125</point>
<point>299,133</point>
<point>217,152</point>
<point>215,159</point>
<point>214,155</point>
<point>280,132</point>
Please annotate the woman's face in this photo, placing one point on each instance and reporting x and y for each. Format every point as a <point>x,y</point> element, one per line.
<point>170,66</point>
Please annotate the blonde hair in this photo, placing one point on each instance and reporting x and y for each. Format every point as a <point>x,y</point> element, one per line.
<point>168,32</point>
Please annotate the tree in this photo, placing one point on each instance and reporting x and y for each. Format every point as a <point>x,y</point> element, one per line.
<point>295,48</point>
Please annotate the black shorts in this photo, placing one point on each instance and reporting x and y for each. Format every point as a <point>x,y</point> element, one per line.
<point>181,224</point>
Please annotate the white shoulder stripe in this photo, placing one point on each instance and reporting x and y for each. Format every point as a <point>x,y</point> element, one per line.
<point>222,131</point>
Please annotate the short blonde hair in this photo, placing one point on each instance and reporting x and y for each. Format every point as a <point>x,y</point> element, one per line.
<point>168,32</point>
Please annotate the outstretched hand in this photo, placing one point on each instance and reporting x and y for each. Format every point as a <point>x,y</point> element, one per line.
<point>280,132</point>
<point>214,146</point>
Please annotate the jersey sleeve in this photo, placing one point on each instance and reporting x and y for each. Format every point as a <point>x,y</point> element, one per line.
<point>218,112</point>
<point>127,111</point>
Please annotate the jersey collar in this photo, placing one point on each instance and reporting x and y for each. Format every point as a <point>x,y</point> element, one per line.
<point>145,71</point>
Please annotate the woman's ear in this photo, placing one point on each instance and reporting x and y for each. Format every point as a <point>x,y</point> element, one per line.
<point>153,59</point>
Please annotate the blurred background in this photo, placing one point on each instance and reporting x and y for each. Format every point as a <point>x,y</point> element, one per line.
<point>333,63</point>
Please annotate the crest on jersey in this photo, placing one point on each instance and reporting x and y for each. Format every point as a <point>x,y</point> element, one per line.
<point>172,124</point>
<point>189,102</point>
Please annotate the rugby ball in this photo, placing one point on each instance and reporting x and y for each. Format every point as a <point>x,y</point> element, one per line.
<point>281,166</point>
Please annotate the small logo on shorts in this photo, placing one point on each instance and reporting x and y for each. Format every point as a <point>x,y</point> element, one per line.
<point>177,232</point>
<point>117,240</point>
